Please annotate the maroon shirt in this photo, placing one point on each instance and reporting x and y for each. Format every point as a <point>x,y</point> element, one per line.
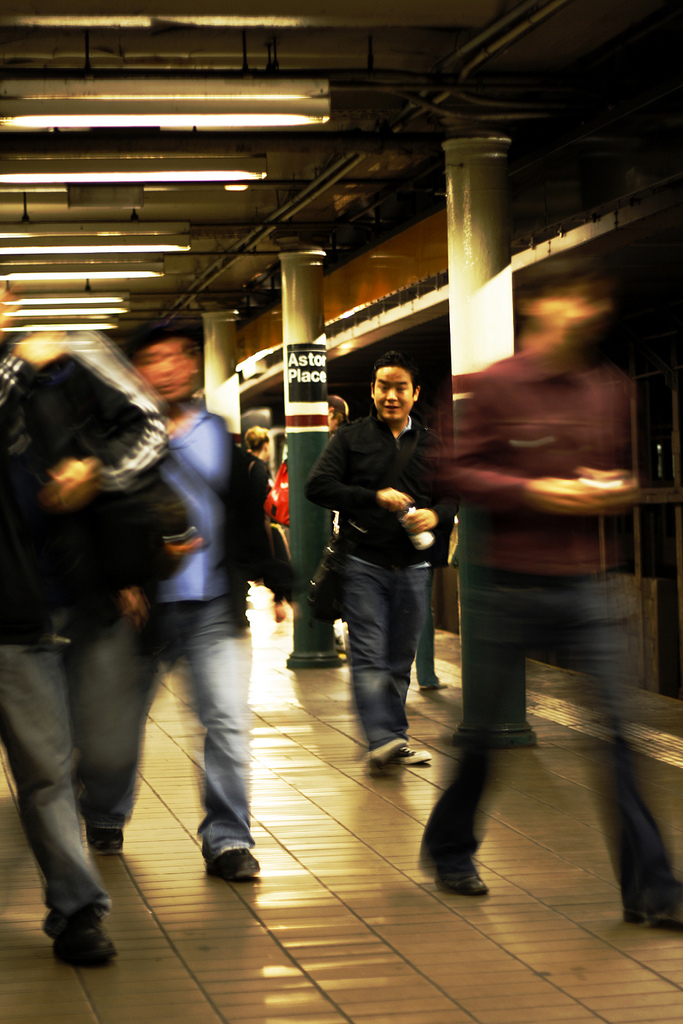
<point>525,421</point>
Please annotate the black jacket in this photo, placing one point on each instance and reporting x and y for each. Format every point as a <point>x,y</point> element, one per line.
<point>248,548</point>
<point>361,459</point>
<point>124,430</point>
<point>23,609</point>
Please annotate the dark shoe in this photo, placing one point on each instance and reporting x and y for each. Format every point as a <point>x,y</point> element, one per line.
<point>234,865</point>
<point>672,917</point>
<point>432,686</point>
<point>105,841</point>
<point>378,758</point>
<point>463,884</point>
<point>84,940</point>
<point>404,755</point>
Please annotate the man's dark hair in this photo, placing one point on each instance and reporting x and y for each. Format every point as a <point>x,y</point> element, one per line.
<point>562,273</point>
<point>152,333</point>
<point>394,358</point>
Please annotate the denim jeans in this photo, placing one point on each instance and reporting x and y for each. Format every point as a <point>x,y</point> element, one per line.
<point>219,657</point>
<point>512,614</point>
<point>34,726</point>
<point>385,610</point>
<point>108,709</point>
<point>424,656</point>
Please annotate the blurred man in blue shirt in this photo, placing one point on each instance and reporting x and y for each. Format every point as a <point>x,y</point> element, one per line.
<point>192,613</point>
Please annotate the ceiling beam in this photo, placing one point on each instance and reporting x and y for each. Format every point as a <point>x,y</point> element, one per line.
<point>103,144</point>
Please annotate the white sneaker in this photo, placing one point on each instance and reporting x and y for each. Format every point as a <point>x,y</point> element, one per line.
<point>376,759</point>
<point>404,755</point>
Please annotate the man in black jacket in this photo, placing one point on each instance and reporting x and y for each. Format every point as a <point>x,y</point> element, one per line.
<point>34,717</point>
<point>372,471</point>
<point>51,619</point>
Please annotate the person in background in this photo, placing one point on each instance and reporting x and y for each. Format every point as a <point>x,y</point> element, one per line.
<point>257,443</point>
<point>337,413</point>
<point>427,678</point>
<point>542,451</point>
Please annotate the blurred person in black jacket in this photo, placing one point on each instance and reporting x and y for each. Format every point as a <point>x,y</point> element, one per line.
<point>58,613</point>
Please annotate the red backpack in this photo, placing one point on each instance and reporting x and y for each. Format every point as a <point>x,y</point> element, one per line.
<point>277,501</point>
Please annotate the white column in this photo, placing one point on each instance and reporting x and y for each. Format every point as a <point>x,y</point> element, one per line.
<point>481,322</point>
<point>221,383</point>
<point>479,271</point>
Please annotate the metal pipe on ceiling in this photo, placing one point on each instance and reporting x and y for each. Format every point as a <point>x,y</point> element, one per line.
<point>501,43</point>
<point>479,40</point>
<point>487,49</point>
<point>105,144</point>
<point>306,196</point>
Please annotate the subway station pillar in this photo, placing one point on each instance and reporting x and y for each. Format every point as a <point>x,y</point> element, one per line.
<point>221,383</point>
<point>481,328</point>
<point>305,382</point>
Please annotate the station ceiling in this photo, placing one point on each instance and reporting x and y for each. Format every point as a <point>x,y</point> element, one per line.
<point>589,91</point>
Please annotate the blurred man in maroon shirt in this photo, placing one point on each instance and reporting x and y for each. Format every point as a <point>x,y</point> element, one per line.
<point>542,451</point>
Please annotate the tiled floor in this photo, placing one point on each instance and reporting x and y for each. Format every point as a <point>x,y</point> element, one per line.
<point>344,926</point>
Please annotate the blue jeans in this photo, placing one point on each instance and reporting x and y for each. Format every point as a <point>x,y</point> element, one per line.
<point>219,657</point>
<point>511,614</point>
<point>424,656</point>
<point>385,610</point>
<point>34,726</point>
<point>108,710</point>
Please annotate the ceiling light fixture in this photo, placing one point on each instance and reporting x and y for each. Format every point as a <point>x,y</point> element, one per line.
<point>68,311</point>
<point>62,229</point>
<point>83,248</point>
<point>157,102</point>
<point>80,275</point>
<point>78,298</point>
<point>83,325</point>
<point>143,176</point>
<point>138,171</point>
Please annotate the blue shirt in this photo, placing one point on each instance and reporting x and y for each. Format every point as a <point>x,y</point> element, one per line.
<point>198,467</point>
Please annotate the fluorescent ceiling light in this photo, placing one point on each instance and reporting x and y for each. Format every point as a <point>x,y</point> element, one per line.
<point>68,311</point>
<point>84,249</point>
<point>177,102</point>
<point>121,177</point>
<point>86,274</point>
<point>61,229</point>
<point>135,171</point>
<point>84,325</point>
<point>64,300</point>
<point>38,121</point>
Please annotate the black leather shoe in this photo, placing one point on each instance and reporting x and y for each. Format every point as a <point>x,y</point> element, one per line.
<point>105,841</point>
<point>463,884</point>
<point>234,865</point>
<point>84,941</point>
